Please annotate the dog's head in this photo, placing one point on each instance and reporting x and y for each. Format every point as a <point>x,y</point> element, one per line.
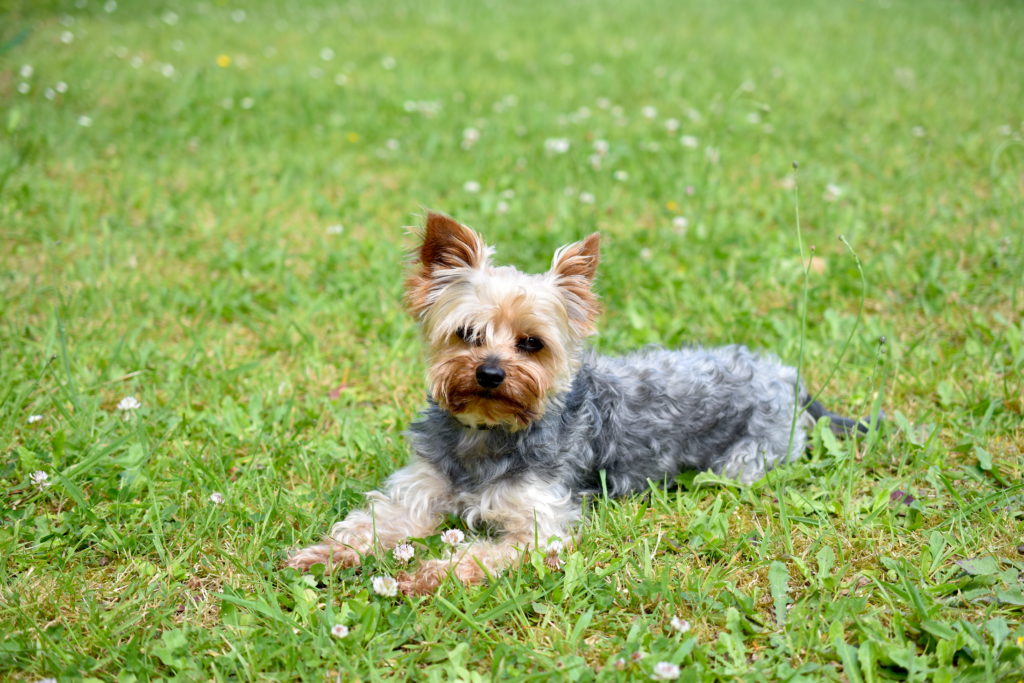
<point>501,342</point>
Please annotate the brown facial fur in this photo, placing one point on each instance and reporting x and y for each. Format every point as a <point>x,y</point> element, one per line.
<point>517,401</point>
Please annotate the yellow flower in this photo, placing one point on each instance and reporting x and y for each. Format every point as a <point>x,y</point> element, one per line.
<point>223,61</point>
<point>671,206</point>
<point>353,137</point>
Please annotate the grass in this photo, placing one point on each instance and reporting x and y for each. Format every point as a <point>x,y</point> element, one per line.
<point>166,230</point>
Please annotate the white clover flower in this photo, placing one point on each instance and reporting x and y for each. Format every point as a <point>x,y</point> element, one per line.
<point>169,18</point>
<point>66,37</point>
<point>555,545</point>
<point>40,479</point>
<point>471,186</point>
<point>501,207</point>
<point>680,222</point>
<point>335,229</point>
<point>747,86</point>
<point>832,192</point>
<point>601,146</point>
<point>392,144</point>
<point>167,70</point>
<point>326,54</point>
<point>557,145</point>
<point>110,6</point>
<point>128,403</point>
<point>681,625</point>
<point>621,176</point>
<point>49,94</point>
<point>453,537</point>
<point>754,117</point>
<point>23,88</point>
<point>595,161</point>
<point>217,498</point>
<point>339,630</point>
<point>665,671</point>
<point>26,71</point>
<point>32,419</point>
<point>712,154</point>
<point>470,136</point>
<point>388,62</point>
<point>385,585</point>
<point>340,79</point>
<point>238,16</point>
<point>247,103</point>
<point>587,198</point>
<point>649,112</point>
<point>918,131</point>
<point>603,102</point>
<point>646,254</point>
<point>404,552</point>
<point>688,141</point>
<point>672,125</point>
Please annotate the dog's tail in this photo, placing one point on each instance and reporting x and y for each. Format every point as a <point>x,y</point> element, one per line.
<point>842,426</point>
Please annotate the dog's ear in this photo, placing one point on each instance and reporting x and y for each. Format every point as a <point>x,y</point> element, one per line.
<point>573,268</point>
<point>447,245</point>
<point>450,244</point>
<point>578,259</point>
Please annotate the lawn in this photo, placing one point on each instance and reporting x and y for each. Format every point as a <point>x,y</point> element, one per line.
<point>204,359</point>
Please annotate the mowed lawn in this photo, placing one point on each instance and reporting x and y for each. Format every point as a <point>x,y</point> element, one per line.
<point>204,209</point>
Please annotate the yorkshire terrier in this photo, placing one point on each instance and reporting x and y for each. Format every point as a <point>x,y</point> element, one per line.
<point>523,421</point>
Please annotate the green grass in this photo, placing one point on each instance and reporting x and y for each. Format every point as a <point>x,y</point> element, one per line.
<point>178,250</point>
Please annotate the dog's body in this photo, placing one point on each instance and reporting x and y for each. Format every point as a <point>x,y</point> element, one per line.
<point>523,421</point>
<point>639,418</point>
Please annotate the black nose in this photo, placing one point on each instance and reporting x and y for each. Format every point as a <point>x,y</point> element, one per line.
<point>489,376</point>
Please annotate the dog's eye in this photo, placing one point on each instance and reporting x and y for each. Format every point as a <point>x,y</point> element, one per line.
<point>468,335</point>
<point>530,344</point>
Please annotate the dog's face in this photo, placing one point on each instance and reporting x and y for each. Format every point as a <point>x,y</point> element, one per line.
<point>501,342</point>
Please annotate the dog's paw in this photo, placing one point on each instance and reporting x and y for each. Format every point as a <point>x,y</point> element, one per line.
<point>432,573</point>
<point>417,584</point>
<point>331,555</point>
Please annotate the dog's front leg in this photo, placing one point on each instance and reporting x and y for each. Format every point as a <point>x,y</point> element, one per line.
<point>531,513</point>
<point>411,504</point>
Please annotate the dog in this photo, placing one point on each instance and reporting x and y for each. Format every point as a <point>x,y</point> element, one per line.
<point>524,422</point>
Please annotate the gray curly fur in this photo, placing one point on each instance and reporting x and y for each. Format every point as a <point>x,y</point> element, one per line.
<point>642,417</point>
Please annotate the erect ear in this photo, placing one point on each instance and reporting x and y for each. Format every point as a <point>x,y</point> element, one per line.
<point>573,268</point>
<point>450,244</point>
<point>578,259</point>
<point>447,245</point>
